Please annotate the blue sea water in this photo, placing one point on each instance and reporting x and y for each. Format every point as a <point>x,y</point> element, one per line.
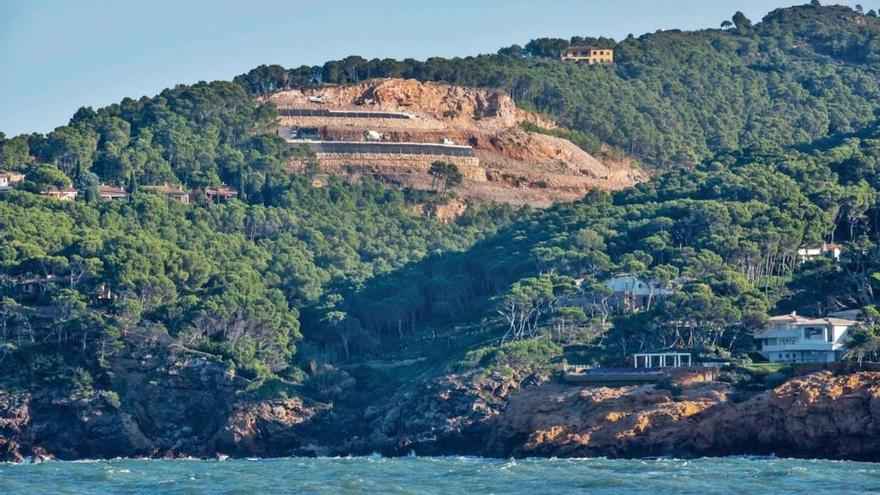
<point>442,475</point>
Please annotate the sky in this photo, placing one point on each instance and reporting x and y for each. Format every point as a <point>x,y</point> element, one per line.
<point>59,55</point>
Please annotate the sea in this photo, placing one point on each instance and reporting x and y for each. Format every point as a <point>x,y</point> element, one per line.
<point>443,475</point>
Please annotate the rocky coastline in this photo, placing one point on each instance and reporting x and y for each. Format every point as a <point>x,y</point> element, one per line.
<point>191,409</point>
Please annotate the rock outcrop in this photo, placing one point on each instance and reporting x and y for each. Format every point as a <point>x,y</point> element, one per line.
<point>179,406</point>
<point>818,415</point>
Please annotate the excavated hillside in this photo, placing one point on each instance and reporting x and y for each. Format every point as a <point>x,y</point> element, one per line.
<point>514,165</point>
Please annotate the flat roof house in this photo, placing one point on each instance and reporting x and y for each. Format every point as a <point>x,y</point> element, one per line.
<point>633,294</point>
<point>589,54</point>
<point>800,339</point>
<point>809,252</point>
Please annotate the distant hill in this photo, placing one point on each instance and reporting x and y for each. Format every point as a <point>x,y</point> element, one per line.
<point>673,97</point>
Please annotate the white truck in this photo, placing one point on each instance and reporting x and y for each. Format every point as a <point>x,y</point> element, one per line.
<point>373,136</point>
<point>447,142</point>
<point>316,99</point>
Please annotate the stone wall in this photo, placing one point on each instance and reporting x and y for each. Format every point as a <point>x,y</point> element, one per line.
<point>361,124</point>
<point>391,163</point>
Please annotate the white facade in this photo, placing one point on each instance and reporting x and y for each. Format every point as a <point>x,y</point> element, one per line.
<point>633,294</point>
<point>799,339</point>
<point>662,360</point>
<point>8,179</point>
<point>813,251</point>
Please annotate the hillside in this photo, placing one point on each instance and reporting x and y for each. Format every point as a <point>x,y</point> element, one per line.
<point>513,165</point>
<point>672,97</point>
<point>298,313</point>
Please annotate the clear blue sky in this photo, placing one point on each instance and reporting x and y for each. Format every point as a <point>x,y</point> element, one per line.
<point>58,55</point>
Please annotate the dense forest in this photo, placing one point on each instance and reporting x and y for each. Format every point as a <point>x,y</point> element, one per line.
<point>762,136</point>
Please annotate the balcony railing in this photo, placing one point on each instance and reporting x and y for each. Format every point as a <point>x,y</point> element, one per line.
<point>803,345</point>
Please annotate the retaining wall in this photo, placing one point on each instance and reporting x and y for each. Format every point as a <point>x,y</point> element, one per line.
<point>469,166</point>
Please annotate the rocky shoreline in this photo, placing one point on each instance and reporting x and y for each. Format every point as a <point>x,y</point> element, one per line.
<point>194,412</point>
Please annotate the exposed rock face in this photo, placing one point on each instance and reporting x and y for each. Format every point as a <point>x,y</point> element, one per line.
<point>187,406</point>
<point>820,415</point>
<point>450,416</point>
<point>521,167</point>
<point>264,429</point>
<point>816,415</point>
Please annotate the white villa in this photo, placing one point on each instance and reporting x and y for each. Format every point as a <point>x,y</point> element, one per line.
<point>812,251</point>
<point>633,294</point>
<point>799,339</point>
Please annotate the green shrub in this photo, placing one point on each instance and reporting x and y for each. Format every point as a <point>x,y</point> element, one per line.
<point>330,384</point>
<point>517,355</point>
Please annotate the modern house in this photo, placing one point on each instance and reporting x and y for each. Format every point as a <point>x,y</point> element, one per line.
<point>589,54</point>
<point>809,252</point>
<point>68,194</point>
<point>111,192</point>
<point>662,360</point>
<point>177,194</point>
<point>633,294</point>
<point>800,339</point>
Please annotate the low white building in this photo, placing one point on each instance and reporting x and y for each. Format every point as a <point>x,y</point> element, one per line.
<point>8,179</point>
<point>633,294</point>
<point>812,251</point>
<point>800,339</point>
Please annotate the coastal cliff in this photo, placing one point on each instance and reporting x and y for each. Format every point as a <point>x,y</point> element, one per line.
<point>179,406</point>
<point>817,415</point>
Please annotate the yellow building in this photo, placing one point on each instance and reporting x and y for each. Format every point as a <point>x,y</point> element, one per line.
<point>589,54</point>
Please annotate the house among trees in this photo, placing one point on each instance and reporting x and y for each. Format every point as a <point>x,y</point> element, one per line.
<point>8,179</point>
<point>809,252</point>
<point>67,194</point>
<point>632,294</point>
<point>177,194</point>
<point>221,193</point>
<point>111,192</point>
<point>103,292</point>
<point>801,339</point>
<point>589,54</point>
<point>36,287</point>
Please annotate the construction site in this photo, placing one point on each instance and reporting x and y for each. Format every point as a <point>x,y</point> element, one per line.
<point>395,129</point>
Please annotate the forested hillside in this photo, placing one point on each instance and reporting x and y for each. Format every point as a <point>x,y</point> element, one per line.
<point>672,98</point>
<point>763,138</point>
